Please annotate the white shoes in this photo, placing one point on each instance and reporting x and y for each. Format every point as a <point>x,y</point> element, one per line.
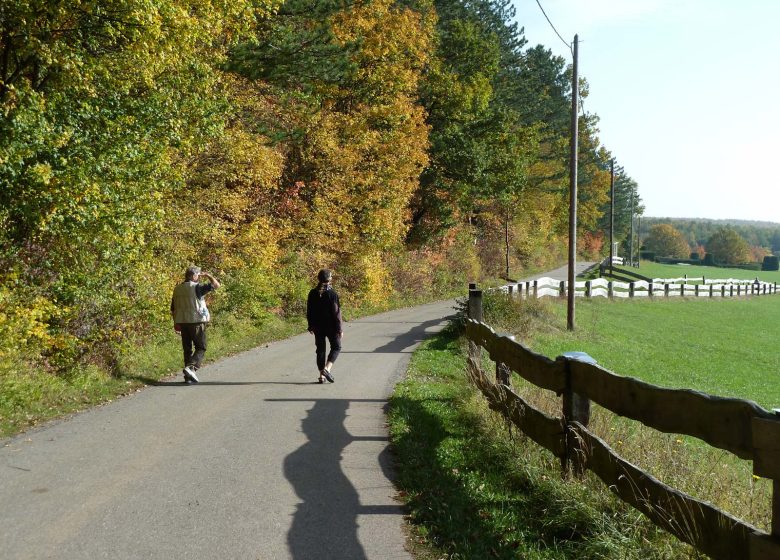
<point>189,375</point>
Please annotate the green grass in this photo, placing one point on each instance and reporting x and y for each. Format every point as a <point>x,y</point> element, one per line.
<point>726,347</point>
<point>723,347</point>
<point>474,491</point>
<point>657,270</point>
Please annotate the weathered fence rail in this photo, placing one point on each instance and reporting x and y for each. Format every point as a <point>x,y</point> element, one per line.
<point>658,287</point>
<point>738,426</point>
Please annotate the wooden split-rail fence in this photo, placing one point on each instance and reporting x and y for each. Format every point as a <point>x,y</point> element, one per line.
<point>737,426</point>
<point>658,287</point>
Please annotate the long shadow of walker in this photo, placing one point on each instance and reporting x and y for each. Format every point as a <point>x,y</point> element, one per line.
<point>403,342</point>
<point>325,522</point>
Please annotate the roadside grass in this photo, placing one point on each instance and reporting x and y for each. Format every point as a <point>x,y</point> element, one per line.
<point>475,489</point>
<point>722,347</point>
<point>657,270</point>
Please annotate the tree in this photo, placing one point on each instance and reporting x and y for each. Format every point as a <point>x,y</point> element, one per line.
<point>666,241</point>
<point>728,247</point>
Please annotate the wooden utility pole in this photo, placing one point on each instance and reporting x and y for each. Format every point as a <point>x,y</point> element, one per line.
<point>631,239</point>
<point>638,239</point>
<point>573,186</point>
<point>611,213</point>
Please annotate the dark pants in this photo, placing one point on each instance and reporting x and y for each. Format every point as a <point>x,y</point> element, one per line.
<point>335,348</point>
<point>193,335</point>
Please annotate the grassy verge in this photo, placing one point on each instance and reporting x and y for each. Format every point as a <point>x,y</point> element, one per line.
<point>475,490</point>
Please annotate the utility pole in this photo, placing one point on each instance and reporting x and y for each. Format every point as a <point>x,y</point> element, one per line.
<point>631,239</point>
<point>573,186</point>
<point>638,239</point>
<point>611,213</point>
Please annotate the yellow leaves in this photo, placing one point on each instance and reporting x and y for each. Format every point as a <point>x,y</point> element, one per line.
<point>24,323</point>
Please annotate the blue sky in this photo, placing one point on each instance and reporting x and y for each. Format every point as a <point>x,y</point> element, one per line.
<point>687,93</point>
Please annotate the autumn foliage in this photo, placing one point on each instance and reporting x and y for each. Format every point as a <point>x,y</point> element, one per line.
<point>411,146</point>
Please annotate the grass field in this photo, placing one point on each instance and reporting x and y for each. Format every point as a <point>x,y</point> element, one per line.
<point>726,347</point>
<point>657,270</point>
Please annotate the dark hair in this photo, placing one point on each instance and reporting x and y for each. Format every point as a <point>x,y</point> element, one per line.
<point>191,271</point>
<point>324,277</point>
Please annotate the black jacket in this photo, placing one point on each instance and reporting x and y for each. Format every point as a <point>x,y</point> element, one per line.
<point>323,311</point>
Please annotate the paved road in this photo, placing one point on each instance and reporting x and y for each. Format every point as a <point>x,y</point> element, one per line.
<point>255,462</point>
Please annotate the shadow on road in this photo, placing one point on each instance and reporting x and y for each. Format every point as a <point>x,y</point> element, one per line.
<point>325,523</point>
<point>402,343</point>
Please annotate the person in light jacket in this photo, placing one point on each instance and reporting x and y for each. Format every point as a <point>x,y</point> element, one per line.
<point>190,317</point>
<point>323,313</point>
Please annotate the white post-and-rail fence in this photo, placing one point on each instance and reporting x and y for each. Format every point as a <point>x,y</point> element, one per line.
<point>738,426</point>
<point>658,287</point>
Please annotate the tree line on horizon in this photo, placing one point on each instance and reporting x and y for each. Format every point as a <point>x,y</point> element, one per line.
<point>411,145</point>
<point>724,244</point>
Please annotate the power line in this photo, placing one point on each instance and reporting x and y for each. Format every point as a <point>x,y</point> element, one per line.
<point>553,27</point>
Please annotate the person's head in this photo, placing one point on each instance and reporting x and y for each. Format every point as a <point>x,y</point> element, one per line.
<point>192,274</point>
<point>325,276</point>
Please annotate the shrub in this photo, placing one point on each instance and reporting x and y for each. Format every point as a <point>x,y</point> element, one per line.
<point>695,256</point>
<point>747,266</point>
<point>709,260</point>
<point>771,262</point>
<point>647,255</point>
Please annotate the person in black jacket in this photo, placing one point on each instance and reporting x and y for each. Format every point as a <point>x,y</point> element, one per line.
<point>323,313</point>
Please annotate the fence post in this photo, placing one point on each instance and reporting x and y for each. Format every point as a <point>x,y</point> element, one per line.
<point>536,289</point>
<point>711,291</point>
<point>666,289</point>
<point>475,313</point>
<point>562,288</point>
<point>739,289</point>
<point>610,290</point>
<point>630,289</point>
<point>576,408</point>
<point>650,289</point>
<point>696,290</point>
<point>510,290</point>
<point>588,289</point>
<point>475,304</point>
<point>731,290</point>
<point>682,289</point>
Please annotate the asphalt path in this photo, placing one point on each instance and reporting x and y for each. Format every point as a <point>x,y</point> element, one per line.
<point>258,461</point>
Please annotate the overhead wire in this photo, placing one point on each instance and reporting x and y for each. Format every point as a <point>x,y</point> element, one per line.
<point>568,45</point>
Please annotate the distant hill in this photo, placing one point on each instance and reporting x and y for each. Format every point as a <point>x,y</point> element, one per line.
<point>698,230</point>
<point>727,222</point>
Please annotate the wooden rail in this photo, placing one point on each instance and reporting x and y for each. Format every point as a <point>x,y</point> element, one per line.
<point>738,426</point>
<point>658,287</point>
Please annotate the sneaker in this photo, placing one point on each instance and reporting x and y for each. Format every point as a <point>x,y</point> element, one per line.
<point>189,375</point>
<point>328,375</point>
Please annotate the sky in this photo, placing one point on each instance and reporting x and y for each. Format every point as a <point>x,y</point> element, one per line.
<point>687,96</point>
